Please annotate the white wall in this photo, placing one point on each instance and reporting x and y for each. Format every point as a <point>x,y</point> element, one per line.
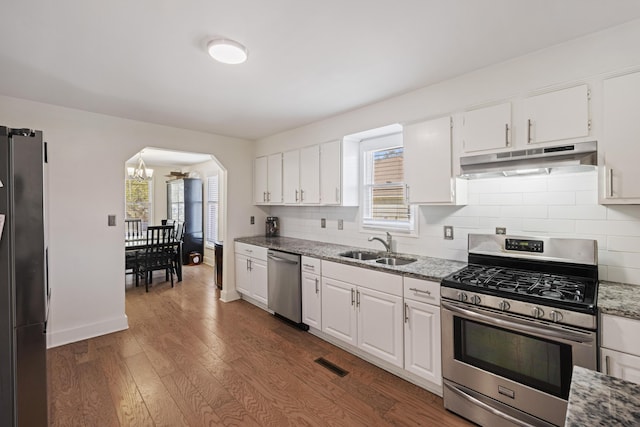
<point>554,205</point>
<point>86,153</point>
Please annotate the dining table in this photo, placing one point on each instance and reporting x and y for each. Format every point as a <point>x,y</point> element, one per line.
<point>138,243</point>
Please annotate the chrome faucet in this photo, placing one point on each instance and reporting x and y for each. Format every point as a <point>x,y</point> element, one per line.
<point>387,244</point>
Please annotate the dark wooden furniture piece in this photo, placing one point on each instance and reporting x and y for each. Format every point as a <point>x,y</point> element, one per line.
<point>141,243</point>
<point>184,204</point>
<point>132,228</point>
<point>158,254</point>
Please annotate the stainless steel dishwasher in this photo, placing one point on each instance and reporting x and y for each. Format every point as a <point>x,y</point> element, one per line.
<point>285,292</point>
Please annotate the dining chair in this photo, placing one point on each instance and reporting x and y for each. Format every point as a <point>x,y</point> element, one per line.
<point>132,228</point>
<point>179,238</point>
<point>159,254</point>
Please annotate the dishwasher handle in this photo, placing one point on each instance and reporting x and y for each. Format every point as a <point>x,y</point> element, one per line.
<point>278,259</point>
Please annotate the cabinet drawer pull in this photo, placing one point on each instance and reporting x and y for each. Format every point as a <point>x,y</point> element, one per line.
<point>317,290</point>
<point>353,298</point>
<point>357,298</point>
<point>406,313</point>
<point>420,290</point>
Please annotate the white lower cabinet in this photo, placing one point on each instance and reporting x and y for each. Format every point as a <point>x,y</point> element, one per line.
<point>619,352</point>
<point>422,348</point>
<point>311,292</point>
<point>251,272</point>
<point>363,308</point>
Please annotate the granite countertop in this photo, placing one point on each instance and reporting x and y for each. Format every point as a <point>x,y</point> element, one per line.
<point>596,399</point>
<point>619,299</point>
<point>424,268</point>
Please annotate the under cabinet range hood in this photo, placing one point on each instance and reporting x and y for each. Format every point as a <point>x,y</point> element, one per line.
<point>575,157</point>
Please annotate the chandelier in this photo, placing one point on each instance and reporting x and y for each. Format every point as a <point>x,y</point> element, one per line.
<point>140,172</point>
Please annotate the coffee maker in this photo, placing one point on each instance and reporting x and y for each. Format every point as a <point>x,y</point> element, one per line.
<point>272,226</point>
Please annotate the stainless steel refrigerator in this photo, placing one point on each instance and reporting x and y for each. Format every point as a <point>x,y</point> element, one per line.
<point>23,279</point>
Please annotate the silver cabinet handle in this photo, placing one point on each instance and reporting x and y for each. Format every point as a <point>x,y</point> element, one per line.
<point>268,196</point>
<point>301,195</point>
<point>406,313</point>
<point>607,366</point>
<point>296,196</point>
<point>528,131</point>
<point>357,298</point>
<point>420,290</point>
<point>337,195</point>
<point>353,299</point>
<point>264,196</point>
<point>309,266</point>
<point>317,290</point>
<point>611,182</point>
<point>506,134</point>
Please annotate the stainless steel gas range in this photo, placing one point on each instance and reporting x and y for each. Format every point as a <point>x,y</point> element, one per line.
<point>514,322</point>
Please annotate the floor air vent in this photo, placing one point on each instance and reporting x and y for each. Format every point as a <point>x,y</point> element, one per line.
<point>332,367</point>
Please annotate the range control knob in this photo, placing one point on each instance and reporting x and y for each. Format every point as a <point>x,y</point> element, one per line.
<point>555,316</point>
<point>475,299</point>
<point>462,297</point>
<point>537,312</point>
<point>504,305</point>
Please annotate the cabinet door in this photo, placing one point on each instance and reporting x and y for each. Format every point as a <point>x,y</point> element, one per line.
<point>260,180</point>
<point>380,325</point>
<point>291,177</point>
<point>427,161</point>
<point>310,175</point>
<point>338,310</point>
<point>330,173</point>
<point>274,179</point>
<point>487,128</point>
<point>558,115</point>
<point>259,280</point>
<point>243,278</point>
<point>311,300</point>
<point>620,365</point>
<point>621,129</point>
<point>422,340</point>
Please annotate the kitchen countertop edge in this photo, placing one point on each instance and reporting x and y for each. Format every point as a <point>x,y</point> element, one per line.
<point>424,267</point>
<point>619,299</point>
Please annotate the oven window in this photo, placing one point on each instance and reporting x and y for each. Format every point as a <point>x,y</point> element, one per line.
<point>539,363</point>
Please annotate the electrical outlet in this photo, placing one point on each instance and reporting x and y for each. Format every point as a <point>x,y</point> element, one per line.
<point>323,223</point>
<point>111,220</point>
<point>501,230</point>
<point>448,232</point>
<point>340,224</point>
<point>252,220</point>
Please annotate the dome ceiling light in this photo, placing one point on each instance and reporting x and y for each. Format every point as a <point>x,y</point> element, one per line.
<point>227,51</point>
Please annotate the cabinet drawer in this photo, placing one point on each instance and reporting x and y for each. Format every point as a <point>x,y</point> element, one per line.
<point>252,251</point>
<point>310,265</point>
<point>617,331</point>
<point>422,290</point>
<point>376,280</point>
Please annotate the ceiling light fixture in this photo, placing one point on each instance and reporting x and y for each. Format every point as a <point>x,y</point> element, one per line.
<point>141,172</point>
<point>227,51</point>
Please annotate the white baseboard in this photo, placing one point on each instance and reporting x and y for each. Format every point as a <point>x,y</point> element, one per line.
<point>67,336</point>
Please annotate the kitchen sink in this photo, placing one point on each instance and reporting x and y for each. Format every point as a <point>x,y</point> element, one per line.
<point>363,256</point>
<point>395,261</point>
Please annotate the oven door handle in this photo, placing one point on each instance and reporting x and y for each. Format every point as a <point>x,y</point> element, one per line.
<point>519,325</point>
<point>486,407</point>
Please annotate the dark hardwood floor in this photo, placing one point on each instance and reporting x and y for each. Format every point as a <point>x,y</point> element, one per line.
<point>189,359</point>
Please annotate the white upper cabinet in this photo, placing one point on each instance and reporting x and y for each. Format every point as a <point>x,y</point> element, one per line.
<point>559,115</point>
<point>619,148</point>
<point>301,176</point>
<point>310,175</point>
<point>291,177</point>
<point>428,170</point>
<point>267,176</point>
<point>339,172</point>
<point>487,128</point>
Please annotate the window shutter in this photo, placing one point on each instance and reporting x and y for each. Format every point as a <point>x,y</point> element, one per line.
<point>212,209</point>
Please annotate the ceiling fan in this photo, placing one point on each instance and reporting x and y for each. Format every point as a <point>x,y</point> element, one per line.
<point>177,175</point>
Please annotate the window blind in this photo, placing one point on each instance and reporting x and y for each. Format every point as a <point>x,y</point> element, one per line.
<point>212,209</point>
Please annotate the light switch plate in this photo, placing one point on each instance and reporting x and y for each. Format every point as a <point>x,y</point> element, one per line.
<point>323,223</point>
<point>340,224</point>
<point>448,232</point>
<point>501,230</point>
<point>111,220</point>
<point>252,220</point>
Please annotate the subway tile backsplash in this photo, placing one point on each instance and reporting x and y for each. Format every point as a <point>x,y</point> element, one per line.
<point>562,205</point>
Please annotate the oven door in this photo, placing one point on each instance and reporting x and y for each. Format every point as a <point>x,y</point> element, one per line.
<point>522,363</point>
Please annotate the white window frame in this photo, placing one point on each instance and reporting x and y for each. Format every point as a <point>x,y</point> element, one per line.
<point>367,224</point>
<point>150,202</point>
<point>210,203</point>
